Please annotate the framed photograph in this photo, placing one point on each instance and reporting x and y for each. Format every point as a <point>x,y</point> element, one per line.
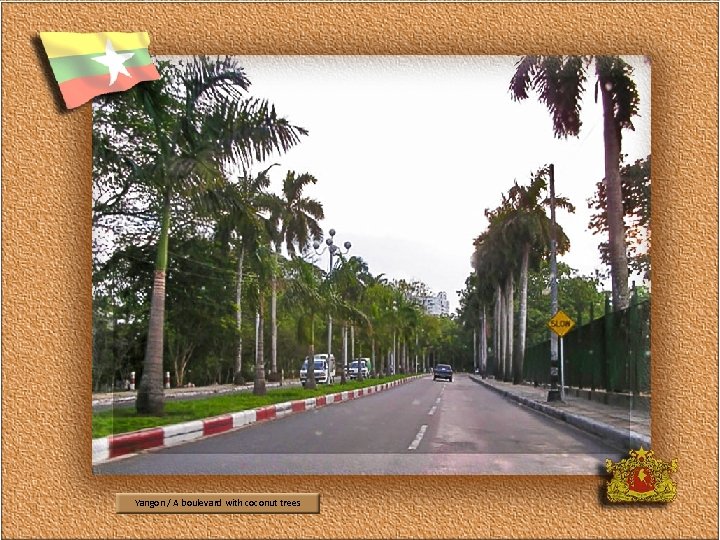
<point>265,177</point>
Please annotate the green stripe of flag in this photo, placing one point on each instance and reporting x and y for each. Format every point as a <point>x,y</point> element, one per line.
<point>66,68</point>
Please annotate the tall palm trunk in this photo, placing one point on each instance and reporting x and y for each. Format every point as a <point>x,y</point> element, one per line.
<point>372,355</point>
<point>310,381</point>
<point>343,378</point>
<point>416,351</point>
<point>394,356</point>
<point>519,359</point>
<point>616,228</point>
<point>151,397</point>
<point>406,360</point>
<point>502,332</point>
<point>352,341</point>
<point>238,314</point>
<point>481,314</point>
<point>483,346</point>
<point>496,334</point>
<point>510,331</point>
<point>259,386</point>
<point>273,326</point>
<point>352,351</point>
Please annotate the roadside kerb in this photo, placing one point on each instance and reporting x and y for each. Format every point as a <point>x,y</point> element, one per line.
<point>623,439</point>
<point>114,446</point>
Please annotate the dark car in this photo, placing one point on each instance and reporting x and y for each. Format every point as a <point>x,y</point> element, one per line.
<point>442,371</point>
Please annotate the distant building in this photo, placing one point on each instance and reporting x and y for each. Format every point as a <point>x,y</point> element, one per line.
<point>436,305</point>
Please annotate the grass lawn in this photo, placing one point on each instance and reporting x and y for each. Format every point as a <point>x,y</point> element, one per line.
<point>125,419</point>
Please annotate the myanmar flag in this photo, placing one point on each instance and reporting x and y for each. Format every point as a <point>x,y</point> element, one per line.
<point>87,65</point>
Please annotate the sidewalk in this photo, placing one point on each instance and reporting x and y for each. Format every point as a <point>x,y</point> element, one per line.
<point>624,428</point>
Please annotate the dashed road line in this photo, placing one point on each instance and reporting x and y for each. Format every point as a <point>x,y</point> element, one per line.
<point>432,411</point>
<point>418,438</point>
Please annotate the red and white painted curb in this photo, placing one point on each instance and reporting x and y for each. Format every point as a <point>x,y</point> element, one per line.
<point>114,446</point>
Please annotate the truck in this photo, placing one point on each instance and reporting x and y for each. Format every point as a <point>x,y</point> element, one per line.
<point>366,368</point>
<point>324,370</point>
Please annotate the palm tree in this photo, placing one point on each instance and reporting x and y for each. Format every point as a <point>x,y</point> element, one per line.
<point>241,226</point>
<point>490,261</point>
<point>560,82</point>
<point>349,280</point>
<point>199,123</point>
<point>501,263</point>
<point>528,227</point>
<point>372,304</point>
<point>263,262</point>
<point>306,293</point>
<point>182,164</point>
<point>296,222</point>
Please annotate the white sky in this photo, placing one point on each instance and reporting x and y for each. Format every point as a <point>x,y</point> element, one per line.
<point>410,150</point>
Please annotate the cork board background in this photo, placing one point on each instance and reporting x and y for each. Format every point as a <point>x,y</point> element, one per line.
<point>48,489</point>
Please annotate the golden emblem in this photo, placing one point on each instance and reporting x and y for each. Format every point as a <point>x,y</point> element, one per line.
<point>641,478</point>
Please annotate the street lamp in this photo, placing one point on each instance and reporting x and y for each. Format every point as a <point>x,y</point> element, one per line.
<point>331,249</point>
<point>555,392</point>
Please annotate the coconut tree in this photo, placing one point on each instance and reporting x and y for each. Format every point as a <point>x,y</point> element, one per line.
<point>295,220</point>
<point>500,261</point>
<point>262,264</point>
<point>241,226</point>
<point>306,294</point>
<point>560,82</point>
<point>349,280</point>
<point>527,226</point>
<point>198,122</point>
<point>373,305</point>
<point>490,264</point>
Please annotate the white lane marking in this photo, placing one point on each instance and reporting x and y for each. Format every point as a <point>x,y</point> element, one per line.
<point>418,438</point>
<point>437,402</point>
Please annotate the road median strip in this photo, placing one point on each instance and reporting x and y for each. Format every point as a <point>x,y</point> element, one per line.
<point>114,446</point>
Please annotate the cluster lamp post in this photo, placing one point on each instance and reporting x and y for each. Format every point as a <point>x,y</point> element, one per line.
<point>331,249</point>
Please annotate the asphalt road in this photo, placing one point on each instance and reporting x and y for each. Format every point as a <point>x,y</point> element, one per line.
<point>422,427</point>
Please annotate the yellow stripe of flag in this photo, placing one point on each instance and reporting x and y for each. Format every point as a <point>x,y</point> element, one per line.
<point>58,44</point>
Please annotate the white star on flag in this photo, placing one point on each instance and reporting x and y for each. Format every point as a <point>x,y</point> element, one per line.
<point>114,61</point>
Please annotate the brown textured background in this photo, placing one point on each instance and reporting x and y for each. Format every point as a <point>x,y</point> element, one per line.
<point>48,490</point>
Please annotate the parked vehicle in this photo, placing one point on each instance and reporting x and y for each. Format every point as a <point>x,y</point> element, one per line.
<point>324,370</point>
<point>443,371</point>
<point>365,367</point>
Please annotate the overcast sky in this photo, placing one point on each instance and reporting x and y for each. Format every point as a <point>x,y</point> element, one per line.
<point>409,152</point>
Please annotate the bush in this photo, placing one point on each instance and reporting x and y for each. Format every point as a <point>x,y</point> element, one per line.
<point>238,379</point>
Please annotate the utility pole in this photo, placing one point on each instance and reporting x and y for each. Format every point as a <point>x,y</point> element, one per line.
<point>554,392</point>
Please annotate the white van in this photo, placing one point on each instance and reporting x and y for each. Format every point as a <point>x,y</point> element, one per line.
<point>353,368</point>
<point>324,370</point>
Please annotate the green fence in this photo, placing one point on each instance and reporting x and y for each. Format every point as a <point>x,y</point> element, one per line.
<point>611,353</point>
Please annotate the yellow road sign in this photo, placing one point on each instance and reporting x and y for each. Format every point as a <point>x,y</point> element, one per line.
<point>560,323</point>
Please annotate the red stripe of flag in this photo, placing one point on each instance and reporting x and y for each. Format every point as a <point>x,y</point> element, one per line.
<point>75,92</point>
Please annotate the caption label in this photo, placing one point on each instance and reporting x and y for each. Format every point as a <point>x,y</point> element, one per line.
<point>217,503</point>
